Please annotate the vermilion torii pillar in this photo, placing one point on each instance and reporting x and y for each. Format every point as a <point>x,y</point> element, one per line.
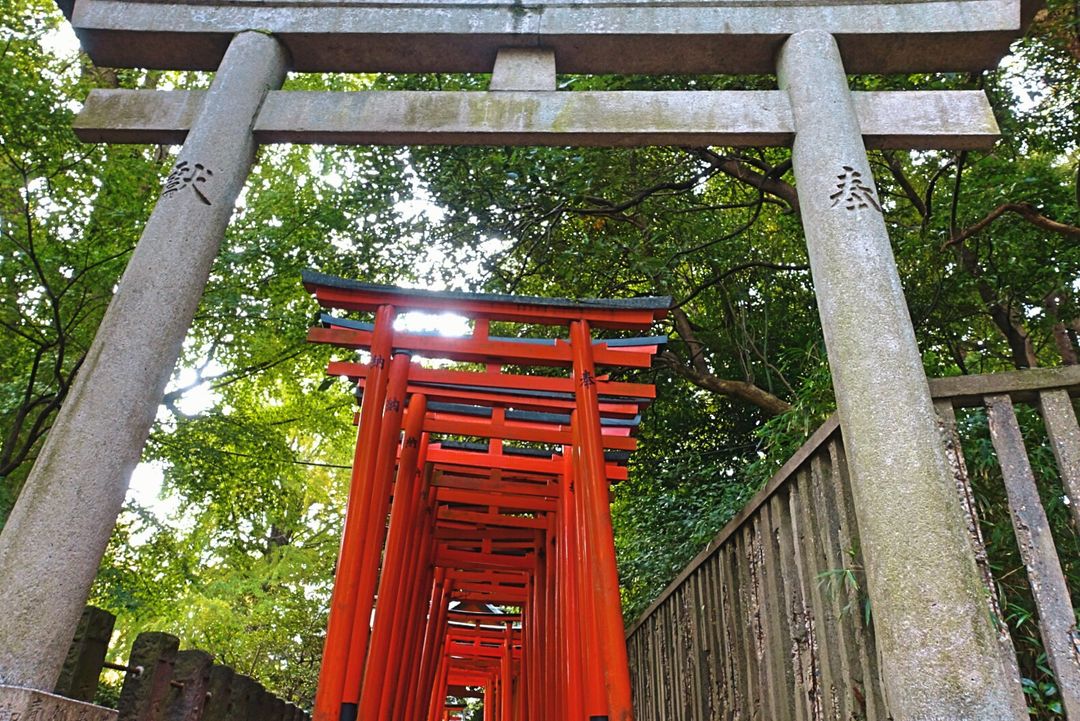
<point>922,579</point>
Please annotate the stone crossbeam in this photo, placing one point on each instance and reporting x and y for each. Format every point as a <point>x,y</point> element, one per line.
<point>588,36</point>
<point>908,119</point>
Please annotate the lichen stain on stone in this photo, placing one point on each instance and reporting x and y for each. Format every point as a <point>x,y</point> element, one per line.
<point>428,111</point>
<point>586,111</point>
<point>519,113</point>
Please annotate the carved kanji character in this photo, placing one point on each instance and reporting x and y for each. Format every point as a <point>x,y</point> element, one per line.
<point>852,192</point>
<point>184,175</point>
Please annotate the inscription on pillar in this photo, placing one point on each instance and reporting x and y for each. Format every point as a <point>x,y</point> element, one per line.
<point>852,193</point>
<point>193,176</point>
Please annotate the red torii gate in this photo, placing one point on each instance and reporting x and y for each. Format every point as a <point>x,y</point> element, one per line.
<point>485,525</point>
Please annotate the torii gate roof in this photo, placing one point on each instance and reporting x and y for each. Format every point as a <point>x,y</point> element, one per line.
<point>588,36</point>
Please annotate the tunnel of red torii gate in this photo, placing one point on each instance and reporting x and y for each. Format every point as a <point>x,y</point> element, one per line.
<point>939,653</point>
<point>495,574</point>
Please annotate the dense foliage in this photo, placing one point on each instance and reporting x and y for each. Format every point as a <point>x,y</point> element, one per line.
<point>252,444</point>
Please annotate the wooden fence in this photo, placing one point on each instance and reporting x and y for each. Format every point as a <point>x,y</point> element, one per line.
<point>770,621</point>
<point>162,683</point>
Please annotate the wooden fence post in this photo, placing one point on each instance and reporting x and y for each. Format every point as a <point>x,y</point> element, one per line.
<point>86,656</point>
<point>144,693</point>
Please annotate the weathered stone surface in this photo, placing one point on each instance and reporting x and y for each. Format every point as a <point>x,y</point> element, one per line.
<point>588,36</point>
<point>219,694</point>
<point>262,704</point>
<point>940,657</point>
<point>82,668</point>
<point>244,699</point>
<point>524,69</point>
<point>147,686</point>
<point>910,119</point>
<point>24,704</point>
<point>188,686</point>
<point>54,539</point>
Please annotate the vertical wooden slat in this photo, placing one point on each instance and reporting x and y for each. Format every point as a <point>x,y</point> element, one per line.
<point>1059,416</point>
<point>679,660</point>
<point>836,590</point>
<point>812,672</point>
<point>755,559</point>
<point>737,629</point>
<point>873,701</point>
<point>667,663</point>
<point>747,600</point>
<point>663,651</point>
<point>1057,620</point>
<point>693,651</point>
<point>720,705</point>
<point>701,646</point>
<point>710,617</point>
<point>730,702</point>
<point>658,677</point>
<point>779,634</point>
<point>815,566</point>
<point>677,610</point>
<point>795,610</point>
<point>659,674</point>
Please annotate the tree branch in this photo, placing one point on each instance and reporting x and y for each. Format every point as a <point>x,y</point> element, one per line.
<point>698,373</point>
<point>741,390</point>
<point>732,271</point>
<point>741,171</point>
<point>1024,210</point>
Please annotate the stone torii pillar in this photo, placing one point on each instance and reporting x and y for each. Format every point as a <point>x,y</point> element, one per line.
<point>930,612</point>
<point>54,540</point>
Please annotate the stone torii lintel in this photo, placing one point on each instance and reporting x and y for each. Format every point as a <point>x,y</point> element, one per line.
<point>589,36</point>
<point>913,120</point>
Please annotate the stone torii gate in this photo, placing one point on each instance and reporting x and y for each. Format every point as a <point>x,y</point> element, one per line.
<point>939,649</point>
